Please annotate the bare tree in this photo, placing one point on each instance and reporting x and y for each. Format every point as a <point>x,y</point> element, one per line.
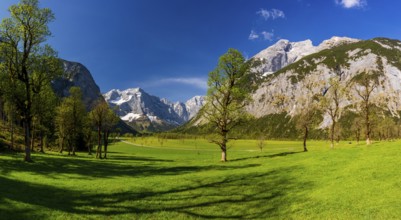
<point>306,109</point>
<point>331,100</point>
<point>364,84</point>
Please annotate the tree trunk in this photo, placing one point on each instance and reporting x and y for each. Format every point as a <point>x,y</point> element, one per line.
<point>33,137</point>
<point>305,138</point>
<point>89,148</point>
<point>12,133</point>
<point>332,135</point>
<point>41,142</point>
<point>61,145</point>
<point>99,143</point>
<point>358,134</point>
<point>106,142</point>
<point>27,128</point>
<point>224,154</point>
<point>69,147</point>
<point>27,114</point>
<point>223,146</point>
<point>368,141</point>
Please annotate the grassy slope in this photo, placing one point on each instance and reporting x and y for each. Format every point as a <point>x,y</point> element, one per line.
<point>187,181</point>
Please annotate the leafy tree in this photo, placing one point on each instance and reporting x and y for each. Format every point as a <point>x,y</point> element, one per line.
<point>228,93</point>
<point>88,134</point>
<point>26,58</point>
<point>110,120</point>
<point>70,119</point>
<point>97,116</point>
<point>43,110</point>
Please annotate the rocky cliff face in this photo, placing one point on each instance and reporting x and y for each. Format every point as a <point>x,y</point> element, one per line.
<point>147,112</point>
<point>284,90</point>
<point>285,52</point>
<point>76,74</point>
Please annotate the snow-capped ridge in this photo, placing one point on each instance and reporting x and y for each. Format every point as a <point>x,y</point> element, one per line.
<point>284,52</point>
<point>134,104</point>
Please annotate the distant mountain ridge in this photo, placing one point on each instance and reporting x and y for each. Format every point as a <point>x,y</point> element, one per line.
<point>285,52</point>
<point>150,113</point>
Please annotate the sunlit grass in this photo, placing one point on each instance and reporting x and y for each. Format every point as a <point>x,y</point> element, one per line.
<point>184,179</point>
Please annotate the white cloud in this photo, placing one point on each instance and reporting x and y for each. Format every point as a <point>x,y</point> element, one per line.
<point>273,14</point>
<point>200,83</point>
<point>351,3</point>
<point>253,35</point>
<point>268,35</point>
<point>265,35</point>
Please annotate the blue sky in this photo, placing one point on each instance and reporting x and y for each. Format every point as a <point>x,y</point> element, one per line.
<point>168,47</point>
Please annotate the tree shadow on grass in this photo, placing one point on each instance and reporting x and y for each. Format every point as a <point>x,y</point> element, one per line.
<point>136,158</point>
<point>283,154</point>
<point>56,167</point>
<point>246,196</point>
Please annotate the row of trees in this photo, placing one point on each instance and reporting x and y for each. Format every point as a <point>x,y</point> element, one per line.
<point>27,68</point>
<point>363,95</point>
<point>74,125</point>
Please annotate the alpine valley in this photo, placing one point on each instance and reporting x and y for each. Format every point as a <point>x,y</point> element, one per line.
<point>284,71</point>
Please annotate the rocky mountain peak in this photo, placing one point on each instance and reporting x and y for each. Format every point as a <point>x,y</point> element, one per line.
<point>147,112</point>
<point>284,52</point>
<point>334,42</point>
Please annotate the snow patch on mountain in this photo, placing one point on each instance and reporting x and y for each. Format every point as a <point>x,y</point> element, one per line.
<point>136,105</point>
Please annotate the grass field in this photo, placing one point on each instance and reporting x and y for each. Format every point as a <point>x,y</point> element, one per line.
<point>183,179</point>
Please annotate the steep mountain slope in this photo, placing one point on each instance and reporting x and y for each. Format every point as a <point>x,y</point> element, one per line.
<point>283,87</point>
<point>285,52</point>
<point>150,113</point>
<point>282,90</point>
<point>76,74</point>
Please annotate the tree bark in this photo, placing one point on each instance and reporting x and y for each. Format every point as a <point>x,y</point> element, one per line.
<point>41,142</point>
<point>224,154</point>
<point>89,148</point>
<point>62,145</point>
<point>224,146</point>
<point>332,135</point>
<point>105,141</point>
<point>73,149</point>
<point>367,121</point>
<point>305,138</point>
<point>33,137</point>
<point>27,128</point>
<point>69,147</point>
<point>12,133</point>
<point>99,143</point>
<point>357,136</point>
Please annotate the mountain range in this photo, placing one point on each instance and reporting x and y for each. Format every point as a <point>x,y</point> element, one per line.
<point>285,69</point>
<point>288,67</point>
<point>146,112</point>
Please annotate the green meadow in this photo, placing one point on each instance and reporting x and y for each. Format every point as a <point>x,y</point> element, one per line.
<point>149,178</point>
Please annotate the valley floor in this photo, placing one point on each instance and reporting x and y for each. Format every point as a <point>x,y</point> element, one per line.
<point>150,178</point>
